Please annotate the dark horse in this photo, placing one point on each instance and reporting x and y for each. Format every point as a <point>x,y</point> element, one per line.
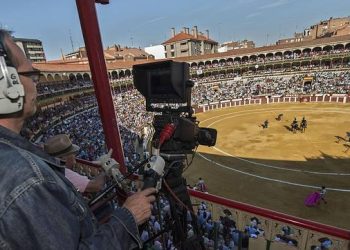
<point>303,125</point>
<point>265,124</point>
<point>294,126</point>
<point>279,117</point>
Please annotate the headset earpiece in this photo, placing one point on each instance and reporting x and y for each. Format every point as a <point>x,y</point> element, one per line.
<point>11,90</point>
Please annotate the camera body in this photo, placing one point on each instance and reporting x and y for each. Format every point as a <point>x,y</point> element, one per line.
<point>167,90</point>
<point>187,136</point>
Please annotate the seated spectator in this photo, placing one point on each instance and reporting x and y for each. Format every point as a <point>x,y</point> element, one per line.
<point>200,186</point>
<point>60,146</point>
<point>253,229</point>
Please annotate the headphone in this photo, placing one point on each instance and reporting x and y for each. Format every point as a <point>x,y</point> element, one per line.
<point>11,89</point>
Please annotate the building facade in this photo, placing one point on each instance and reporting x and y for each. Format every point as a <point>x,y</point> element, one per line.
<point>112,53</point>
<point>185,44</point>
<point>332,27</point>
<point>157,51</point>
<point>245,44</point>
<point>32,48</point>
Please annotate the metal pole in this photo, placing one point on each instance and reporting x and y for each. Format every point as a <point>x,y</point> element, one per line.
<point>92,37</point>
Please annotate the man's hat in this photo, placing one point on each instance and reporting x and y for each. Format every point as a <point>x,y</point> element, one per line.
<point>60,145</point>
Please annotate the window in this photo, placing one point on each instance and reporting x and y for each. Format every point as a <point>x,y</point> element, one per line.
<point>172,54</point>
<point>172,46</point>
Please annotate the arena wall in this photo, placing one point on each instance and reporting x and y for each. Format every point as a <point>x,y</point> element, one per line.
<point>272,99</point>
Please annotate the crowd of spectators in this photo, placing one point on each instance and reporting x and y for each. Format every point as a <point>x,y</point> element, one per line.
<point>334,82</point>
<point>161,216</point>
<point>59,86</point>
<point>220,234</point>
<point>271,58</point>
<point>48,116</point>
<point>131,110</point>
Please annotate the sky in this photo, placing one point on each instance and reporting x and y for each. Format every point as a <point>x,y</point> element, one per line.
<point>141,23</point>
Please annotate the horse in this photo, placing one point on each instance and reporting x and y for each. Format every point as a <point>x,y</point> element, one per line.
<point>348,135</point>
<point>340,138</point>
<point>265,124</point>
<point>279,117</point>
<point>303,125</point>
<point>294,126</point>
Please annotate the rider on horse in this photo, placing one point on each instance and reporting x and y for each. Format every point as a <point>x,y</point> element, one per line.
<point>294,125</point>
<point>303,122</point>
<point>266,124</point>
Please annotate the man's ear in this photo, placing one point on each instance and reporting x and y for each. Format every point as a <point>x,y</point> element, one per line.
<point>11,88</point>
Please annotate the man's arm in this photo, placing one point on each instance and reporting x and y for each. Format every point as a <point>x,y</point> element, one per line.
<point>96,185</point>
<point>48,216</point>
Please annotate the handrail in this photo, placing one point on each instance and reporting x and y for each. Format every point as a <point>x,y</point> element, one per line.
<point>308,224</point>
<point>315,226</point>
<point>89,163</point>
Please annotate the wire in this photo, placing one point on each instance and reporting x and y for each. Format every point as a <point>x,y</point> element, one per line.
<point>188,164</point>
<point>179,202</point>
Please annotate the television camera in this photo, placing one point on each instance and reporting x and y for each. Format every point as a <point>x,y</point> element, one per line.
<point>166,88</point>
<point>167,91</point>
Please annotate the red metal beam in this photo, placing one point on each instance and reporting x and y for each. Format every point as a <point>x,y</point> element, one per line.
<point>102,1</point>
<point>318,227</point>
<point>92,37</point>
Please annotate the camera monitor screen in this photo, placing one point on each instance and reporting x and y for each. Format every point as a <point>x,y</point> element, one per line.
<point>162,82</point>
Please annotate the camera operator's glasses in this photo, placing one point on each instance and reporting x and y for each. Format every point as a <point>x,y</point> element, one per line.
<point>34,75</point>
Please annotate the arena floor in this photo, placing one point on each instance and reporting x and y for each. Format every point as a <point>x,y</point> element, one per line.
<point>274,168</point>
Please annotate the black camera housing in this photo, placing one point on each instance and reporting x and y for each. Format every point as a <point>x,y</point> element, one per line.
<point>167,82</point>
<point>163,82</point>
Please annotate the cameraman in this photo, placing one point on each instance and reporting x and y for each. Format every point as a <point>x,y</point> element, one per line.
<point>39,207</point>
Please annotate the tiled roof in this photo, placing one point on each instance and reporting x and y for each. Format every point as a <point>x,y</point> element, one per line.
<point>71,67</point>
<point>183,36</point>
<point>126,51</point>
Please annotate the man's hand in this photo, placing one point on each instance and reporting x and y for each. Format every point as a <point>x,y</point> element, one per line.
<point>139,204</point>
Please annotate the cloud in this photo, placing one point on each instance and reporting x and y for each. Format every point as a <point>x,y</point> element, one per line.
<point>274,4</point>
<point>156,19</point>
<point>254,14</point>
